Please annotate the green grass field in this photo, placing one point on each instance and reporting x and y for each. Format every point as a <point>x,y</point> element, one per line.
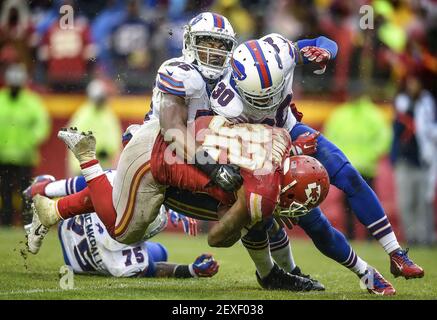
<point>37,276</point>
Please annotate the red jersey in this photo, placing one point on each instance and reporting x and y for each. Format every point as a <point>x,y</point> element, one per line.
<point>257,149</point>
<point>67,51</point>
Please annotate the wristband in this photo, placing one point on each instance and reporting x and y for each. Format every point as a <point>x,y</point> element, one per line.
<point>184,271</point>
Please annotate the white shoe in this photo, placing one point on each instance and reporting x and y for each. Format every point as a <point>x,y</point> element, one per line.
<point>83,145</point>
<point>46,210</point>
<point>35,233</point>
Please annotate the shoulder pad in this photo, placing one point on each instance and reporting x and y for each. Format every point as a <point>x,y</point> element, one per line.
<point>179,78</point>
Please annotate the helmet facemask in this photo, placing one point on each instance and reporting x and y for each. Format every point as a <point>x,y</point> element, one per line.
<point>295,210</point>
<point>212,51</point>
<point>265,104</point>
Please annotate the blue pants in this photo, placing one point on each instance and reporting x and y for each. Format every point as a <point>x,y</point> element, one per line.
<point>343,175</point>
<point>326,238</point>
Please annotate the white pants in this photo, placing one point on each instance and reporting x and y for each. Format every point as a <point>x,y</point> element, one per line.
<point>136,197</point>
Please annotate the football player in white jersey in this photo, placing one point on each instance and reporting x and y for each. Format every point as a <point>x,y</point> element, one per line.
<point>258,89</point>
<point>89,249</point>
<point>182,93</point>
<point>183,86</point>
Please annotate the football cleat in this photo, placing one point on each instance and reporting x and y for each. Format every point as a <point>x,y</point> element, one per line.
<point>297,272</point>
<point>278,279</point>
<point>46,210</point>
<point>35,233</point>
<point>402,265</point>
<point>83,145</point>
<point>37,186</point>
<point>375,283</point>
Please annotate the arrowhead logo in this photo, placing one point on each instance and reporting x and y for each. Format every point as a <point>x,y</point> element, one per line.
<point>169,73</point>
<point>313,192</point>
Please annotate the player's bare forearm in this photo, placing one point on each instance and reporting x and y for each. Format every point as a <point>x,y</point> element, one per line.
<point>173,120</point>
<point>164,269</point>
<point>228,229</point>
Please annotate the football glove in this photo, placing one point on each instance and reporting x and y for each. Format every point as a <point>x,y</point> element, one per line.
<point>189,224</point>
<point>227,177</point>
<point>305,144</point>
<point>204,266</point>
<point>317,55</point>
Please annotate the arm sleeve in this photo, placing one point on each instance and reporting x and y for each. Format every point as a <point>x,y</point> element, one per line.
<point>320,42</point>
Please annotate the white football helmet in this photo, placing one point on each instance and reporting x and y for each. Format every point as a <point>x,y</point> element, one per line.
<point>259,77</point>
<point>216,27</point>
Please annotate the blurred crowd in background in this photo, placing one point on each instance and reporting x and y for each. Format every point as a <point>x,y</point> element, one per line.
<point>124,41</point>
<point>116,46</point>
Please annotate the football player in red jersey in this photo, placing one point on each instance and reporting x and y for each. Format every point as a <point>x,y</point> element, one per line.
<point>302,186</point>
<point>147,166</point>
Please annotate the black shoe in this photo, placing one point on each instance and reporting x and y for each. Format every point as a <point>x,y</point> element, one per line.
<point>297,272</point>
<point>278,279</point>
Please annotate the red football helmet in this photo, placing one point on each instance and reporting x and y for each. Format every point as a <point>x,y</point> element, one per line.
<point>305,184</point>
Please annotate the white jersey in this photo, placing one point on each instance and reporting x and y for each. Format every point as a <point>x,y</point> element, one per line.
<point>226,101</point>
<point>88,248</point>
<point>182,79</point>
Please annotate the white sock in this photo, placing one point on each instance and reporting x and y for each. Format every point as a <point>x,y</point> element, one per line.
<point>360,267</point>
<point>61,188</point>
<point>284,258</point>
<point>389,242</point>
<point>262,259</point>
<point>355,263</point>
<point>381,229</point>
<point>91,170</point>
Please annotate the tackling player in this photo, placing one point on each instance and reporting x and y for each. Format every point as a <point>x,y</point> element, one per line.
<point>183,86</point>
<point>182,93</point>
<point>258,89</point>
<point>143,174</point>
<point>227,231</point>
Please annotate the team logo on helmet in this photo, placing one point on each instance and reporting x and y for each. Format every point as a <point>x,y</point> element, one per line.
<point>313,192</point>
<point>238,70</point>
<point>278,60</point>
<point>196,19</point>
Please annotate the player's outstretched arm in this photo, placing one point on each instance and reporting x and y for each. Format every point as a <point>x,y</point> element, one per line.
<point>228,229</point>
<point>318,50</point>
<point>204,266</point>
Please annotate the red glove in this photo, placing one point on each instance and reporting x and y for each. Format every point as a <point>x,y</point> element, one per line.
<point>318,55</point>
<point>305,144</point>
